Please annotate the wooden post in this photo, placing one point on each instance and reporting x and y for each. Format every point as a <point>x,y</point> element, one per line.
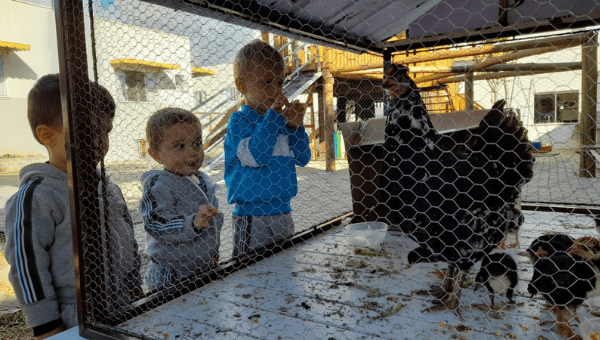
<point>264,36</point>
<point>321,93</point>
<point>328,81</point>
<point>78,117</point>
<point>589,87</point>
<point>469,91</point>
<point>387,60</point>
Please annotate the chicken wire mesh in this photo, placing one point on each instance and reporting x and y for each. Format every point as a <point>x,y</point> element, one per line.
<point>207,184</point>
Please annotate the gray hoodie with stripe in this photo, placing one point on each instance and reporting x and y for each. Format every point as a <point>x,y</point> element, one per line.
<point>169,206</point>
<point>39,246</point>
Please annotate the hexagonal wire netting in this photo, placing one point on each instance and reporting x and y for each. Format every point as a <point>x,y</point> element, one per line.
<point>236,136</point>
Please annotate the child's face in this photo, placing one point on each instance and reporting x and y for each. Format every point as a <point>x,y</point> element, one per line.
<point>262,84</point>
<point>181,151</point>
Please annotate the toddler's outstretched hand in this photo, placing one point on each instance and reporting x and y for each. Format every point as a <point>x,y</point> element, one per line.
<point>204,216</point>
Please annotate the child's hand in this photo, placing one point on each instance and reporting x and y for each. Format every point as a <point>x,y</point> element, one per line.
<point>280,101</point>
<point>204,216</point>
<point>294,113</point>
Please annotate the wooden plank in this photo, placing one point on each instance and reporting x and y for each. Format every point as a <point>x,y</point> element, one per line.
<point>442,54</point>
<point>589,100</point>
<point>490,61</point>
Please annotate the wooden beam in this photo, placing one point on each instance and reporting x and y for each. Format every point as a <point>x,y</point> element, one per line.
<point>589,88</point>
<point>469,91</point>
<point>556,67</point>
<point>496,68</point>
<point>495,75</point>
<point>493,61</point>
<point>422,56</point>
<point>372,76</point>
<point>328,82</point>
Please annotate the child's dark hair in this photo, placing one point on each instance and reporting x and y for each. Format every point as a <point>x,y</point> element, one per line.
<point>165,118</point>
<point>44,102</point>
<point>248,53</point>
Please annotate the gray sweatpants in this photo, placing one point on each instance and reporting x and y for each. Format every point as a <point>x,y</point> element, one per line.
<point>252,232</point>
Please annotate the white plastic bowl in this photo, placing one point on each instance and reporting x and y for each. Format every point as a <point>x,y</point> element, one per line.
<point>366,234</point>
<point>590,326</point>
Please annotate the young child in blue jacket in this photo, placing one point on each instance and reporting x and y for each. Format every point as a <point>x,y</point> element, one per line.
<point>179,205</point>
<point>264,144</point>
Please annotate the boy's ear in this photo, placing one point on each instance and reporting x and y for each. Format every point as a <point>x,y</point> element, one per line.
<point>46,135</point>
<point>241,86</point>
<point>154,155</point>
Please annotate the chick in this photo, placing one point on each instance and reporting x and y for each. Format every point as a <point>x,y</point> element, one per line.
<point>514,221</point>
<point>498,274</point>
<point>546,245</point>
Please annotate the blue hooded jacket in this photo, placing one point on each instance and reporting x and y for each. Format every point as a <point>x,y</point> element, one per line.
<point>261,154</point>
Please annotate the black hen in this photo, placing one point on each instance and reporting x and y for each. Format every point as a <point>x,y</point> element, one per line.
<point>457,206</point>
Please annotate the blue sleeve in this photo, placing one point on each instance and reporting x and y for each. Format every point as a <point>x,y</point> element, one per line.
<point>299,144</point>
<point>259,140</point>
<point>161,221</point>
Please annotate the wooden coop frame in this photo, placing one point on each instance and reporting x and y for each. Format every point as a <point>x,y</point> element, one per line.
<point>78,113</point>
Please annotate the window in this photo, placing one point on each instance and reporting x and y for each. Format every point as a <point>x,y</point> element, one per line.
<point>232,92</point>
<point>134,88</point>
<point>3,87</point>
<point>558,107</point>
<point>180,82</point>
<point>200,97</point>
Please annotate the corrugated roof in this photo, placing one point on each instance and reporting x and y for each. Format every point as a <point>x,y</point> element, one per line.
<point>366,25</point>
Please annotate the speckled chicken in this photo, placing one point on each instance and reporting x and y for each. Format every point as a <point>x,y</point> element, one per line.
<point>457,206</point>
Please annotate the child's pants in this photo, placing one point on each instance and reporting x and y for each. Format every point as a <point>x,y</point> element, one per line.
<point>252,232</point>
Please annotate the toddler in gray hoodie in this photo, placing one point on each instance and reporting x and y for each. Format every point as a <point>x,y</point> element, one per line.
<point>179,206</point>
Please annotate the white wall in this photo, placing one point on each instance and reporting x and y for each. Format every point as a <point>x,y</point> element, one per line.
<point>117,40</point>
<point>34,25</point>
<point>521,90</point>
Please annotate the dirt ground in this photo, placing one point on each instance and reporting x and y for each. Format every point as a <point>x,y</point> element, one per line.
<point>12,320</point>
